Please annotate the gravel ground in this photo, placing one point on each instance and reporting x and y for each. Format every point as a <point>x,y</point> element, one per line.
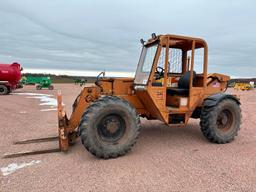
<point>164,159</point>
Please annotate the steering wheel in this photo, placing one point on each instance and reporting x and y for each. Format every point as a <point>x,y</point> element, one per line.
<point>159,73</point>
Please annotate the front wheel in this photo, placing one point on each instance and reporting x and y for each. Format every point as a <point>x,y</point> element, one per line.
<point>221,123</point>
<point>109,127</point>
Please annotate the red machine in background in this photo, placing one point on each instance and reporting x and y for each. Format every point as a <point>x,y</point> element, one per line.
<point>10,75</point>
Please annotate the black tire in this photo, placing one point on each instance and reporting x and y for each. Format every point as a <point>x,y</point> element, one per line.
<point>38,87</point>
<point>221,123</point>
<point>4,90</point>
<point>51,87</point>
<point>109,127</point>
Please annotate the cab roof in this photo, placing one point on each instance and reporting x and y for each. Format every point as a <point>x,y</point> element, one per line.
<point>177,41</point>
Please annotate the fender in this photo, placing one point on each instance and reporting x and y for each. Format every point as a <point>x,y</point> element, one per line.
<point>213,100</point>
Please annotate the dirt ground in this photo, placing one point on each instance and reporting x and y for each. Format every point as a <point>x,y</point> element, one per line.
<point>164,159</point>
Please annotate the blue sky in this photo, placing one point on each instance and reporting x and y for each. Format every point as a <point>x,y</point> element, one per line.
<point>93,35</point>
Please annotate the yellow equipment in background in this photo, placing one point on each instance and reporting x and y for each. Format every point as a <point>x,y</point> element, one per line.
<point>243,86</point>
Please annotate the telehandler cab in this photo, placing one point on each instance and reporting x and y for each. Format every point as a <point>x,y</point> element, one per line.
<point>171,84</point>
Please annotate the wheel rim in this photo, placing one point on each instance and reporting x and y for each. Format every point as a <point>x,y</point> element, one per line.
<point>111,128</point>
<point>2,90</point>
<point>224,120</point>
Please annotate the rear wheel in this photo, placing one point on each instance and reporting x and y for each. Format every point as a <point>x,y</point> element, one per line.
<point>4,90</point>
<point>221,123</point>
<point>109,127</point>
<point>51,87</point>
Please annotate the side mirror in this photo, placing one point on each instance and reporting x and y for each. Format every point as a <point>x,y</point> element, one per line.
<point>153,35</point>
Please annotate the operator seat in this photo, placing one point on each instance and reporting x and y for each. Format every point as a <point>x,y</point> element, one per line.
<point>183,85</point>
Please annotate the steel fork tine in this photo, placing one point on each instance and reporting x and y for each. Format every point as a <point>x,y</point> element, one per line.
<point>39,140</point>
<point>26,153</point>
